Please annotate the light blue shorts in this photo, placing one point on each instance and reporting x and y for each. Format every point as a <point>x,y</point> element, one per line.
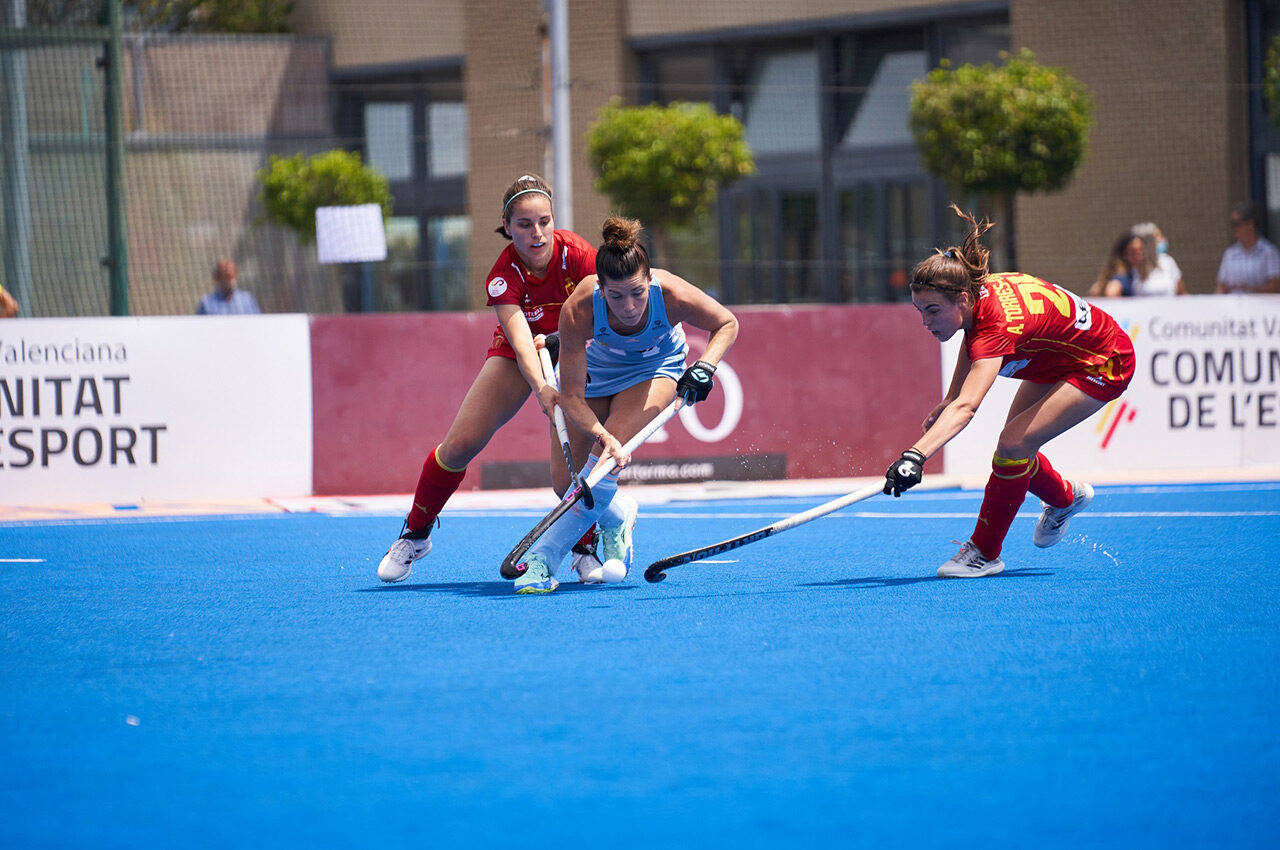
<point>609,372</point>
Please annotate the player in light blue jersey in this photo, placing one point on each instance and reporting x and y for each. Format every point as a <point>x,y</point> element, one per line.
<point>622,361</point>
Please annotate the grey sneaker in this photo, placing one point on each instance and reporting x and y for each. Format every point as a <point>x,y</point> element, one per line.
<point>399,559</point>
<point>970,563</point>
<point>1053,521</point>
<point>536,578</point>
<point>615,543</point>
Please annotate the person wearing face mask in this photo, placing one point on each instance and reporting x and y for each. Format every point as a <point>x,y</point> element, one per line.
<point>1157,273</point>
<point>527,287</point>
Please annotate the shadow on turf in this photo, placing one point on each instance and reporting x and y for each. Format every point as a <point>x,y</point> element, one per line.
<point>497,589</point>
<point>881,581</point>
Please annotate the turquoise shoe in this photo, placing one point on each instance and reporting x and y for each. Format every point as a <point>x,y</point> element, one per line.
<point>536,578</point>
<point>615,543</point>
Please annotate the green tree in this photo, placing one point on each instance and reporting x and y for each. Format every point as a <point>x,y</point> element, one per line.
<point>294,186</point>
<point>1018,127</point>
<point>665,164</point>
<point>1271,80</point>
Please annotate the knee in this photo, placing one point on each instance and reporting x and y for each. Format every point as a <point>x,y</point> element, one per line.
<point>458,453</point>
<point>1015,448</point>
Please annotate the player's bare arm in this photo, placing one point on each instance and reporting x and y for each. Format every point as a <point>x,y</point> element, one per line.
<point>514,325</point>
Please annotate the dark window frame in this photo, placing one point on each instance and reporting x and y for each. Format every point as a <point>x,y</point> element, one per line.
<point>827,172</point>
<point>422,196</point>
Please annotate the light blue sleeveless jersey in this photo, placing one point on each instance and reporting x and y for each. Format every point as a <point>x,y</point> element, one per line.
<point>617,361</point>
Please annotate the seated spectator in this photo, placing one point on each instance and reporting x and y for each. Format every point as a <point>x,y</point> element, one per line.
<point>1157,273</point>
<point>227,299</point>
<point>1116,278</point>
<point>1252,264</point>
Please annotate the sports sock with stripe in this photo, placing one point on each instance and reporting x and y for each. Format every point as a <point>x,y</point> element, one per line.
<point>1047,485</point>
<point>1006,490</point>
<point>435,485</point>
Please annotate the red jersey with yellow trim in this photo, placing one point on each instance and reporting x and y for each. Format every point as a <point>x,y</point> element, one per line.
<point>1044,333</point>
<point>509,282</point>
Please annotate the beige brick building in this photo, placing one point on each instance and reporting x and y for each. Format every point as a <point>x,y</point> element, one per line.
<point>1170,141</point>
<point>450,99</point>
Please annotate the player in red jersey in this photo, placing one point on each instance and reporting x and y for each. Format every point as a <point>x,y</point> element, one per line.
<point>527,286</point>
<point>1071,357</point>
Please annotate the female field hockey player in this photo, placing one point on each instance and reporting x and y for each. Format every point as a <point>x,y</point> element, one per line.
<point>622,360</point>
<point>1071,357</point>
<point>527,286</point>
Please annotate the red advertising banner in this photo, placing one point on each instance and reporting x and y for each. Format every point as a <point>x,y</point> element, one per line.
<point>807,392</point>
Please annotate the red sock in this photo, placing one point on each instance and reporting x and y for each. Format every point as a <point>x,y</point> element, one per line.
<point>1046,484</point>
<point>435,485</point>
<point>1006,490</point>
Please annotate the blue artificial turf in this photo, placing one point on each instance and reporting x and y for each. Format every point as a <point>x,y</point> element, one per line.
<point>231,682</point>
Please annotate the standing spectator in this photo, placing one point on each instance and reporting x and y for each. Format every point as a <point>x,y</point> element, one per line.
<point>227,299</point>
<point>1252,264</point>
<point>1116,278</point>
<point>8,304</point>
<point>1157,273</point>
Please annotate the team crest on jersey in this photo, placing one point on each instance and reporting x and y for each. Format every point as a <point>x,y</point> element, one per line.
<point>497,286</point>
<point>1012,368</point>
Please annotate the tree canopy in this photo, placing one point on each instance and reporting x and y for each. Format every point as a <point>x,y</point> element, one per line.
<point>665,164</point>
<point>1018,127</point>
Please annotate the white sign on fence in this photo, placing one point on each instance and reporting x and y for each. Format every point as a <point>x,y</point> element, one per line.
<point>129,409</point>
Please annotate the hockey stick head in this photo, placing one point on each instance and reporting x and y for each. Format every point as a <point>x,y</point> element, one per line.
<point>653,574</point>
<point>513,565</point>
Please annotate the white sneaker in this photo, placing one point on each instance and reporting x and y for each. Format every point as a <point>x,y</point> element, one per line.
<point>399,559</point>
<point>1053,521</point>
<point>536,578</point>
<point>615,543</point>
<point>970,563</point>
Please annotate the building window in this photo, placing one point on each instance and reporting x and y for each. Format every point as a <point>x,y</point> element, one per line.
<point>447,139</point>
<point>1263,23</point>
<point>875,74</point>
<point>412,127</point>
<point>450,238</point>
<point>777,100</point>
<point>388,134</point>
<point>840,207</point>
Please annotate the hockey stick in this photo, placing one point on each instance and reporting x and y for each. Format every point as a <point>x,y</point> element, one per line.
<point>544,344</point>
<point>655,572</point>
<point>511,564</point>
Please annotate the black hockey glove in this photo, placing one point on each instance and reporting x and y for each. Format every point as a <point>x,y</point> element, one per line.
<point>905,473</point>
<point>695,384</point>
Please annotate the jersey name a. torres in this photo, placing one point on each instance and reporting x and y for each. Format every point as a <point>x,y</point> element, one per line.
<point>1042,332</point>
<point>509,282</point>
